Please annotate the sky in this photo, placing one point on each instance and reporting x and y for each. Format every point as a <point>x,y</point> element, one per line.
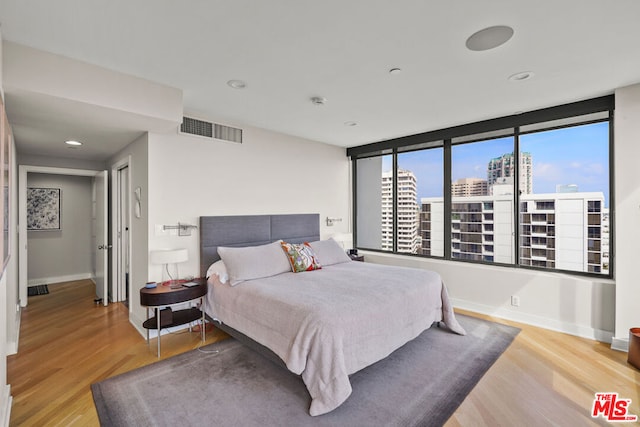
<point>576,155</point>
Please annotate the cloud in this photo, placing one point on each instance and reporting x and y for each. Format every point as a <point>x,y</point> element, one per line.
<point>575,165</point>
<point>546,171</point>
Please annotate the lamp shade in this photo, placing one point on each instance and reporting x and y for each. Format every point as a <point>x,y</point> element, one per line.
<point>344,239</point>
<point>169,256</point>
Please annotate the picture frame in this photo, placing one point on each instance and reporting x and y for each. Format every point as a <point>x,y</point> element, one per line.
<point>44,209</point>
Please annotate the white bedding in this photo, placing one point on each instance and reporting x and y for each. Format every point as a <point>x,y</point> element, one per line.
<point>328,324</point>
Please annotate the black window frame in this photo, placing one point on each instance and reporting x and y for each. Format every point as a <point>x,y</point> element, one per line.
<point>604,104</point>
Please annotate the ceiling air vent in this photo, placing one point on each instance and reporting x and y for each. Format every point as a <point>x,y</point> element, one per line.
<point>210,130</point>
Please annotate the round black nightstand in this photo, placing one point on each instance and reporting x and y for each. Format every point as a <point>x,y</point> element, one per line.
<point>163,296</point>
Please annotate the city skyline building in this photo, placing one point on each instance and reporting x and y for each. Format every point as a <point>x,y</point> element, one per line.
<point>408,210</point>
<point>504,167</point>
<point>567,231</point>
<point>465,187</point>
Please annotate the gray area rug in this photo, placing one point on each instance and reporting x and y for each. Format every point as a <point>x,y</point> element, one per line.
<point>420,384</point>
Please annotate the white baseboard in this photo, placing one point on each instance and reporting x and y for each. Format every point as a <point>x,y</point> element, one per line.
<point>534,320</point>
<point>58,279</point>
<point>620,344</point>
<point>137,323</point>
<point>5,405</point>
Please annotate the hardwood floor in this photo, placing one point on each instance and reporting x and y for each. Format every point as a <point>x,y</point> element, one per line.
<point>67,343</point>
<point>547,378</point>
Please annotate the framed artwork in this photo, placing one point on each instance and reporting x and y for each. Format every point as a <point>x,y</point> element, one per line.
<point>43,209</point>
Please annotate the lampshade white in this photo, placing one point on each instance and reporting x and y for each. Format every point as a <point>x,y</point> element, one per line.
<point>169,256</point>
<point>344,239</point>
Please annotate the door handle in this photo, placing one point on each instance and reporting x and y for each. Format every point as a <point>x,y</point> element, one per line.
<point>105,247</point>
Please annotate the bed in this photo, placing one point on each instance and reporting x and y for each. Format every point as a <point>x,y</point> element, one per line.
<point>323,324</point>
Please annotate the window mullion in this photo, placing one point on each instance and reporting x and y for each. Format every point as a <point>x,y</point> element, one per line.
<point>395,200</point>
<point>516,198</point>
<point>354,204</point>
<point>447,199</point>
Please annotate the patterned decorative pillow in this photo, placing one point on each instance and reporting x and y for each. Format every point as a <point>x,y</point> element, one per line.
<point>301,257</point>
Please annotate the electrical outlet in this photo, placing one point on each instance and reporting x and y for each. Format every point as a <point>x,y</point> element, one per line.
<point>515,300</point>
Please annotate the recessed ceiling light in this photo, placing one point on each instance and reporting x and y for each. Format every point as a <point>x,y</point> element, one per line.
<point>237,84</point>
<point>489,38</point>
<point>73,143</point>
<point>395,71</point>
<point>350,123</point>
<point>318,100</point>
<point>521,76</point>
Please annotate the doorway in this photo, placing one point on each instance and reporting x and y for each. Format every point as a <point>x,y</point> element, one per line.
<point>121,213</point>
<point>99,226</point>
<point>122,234</point>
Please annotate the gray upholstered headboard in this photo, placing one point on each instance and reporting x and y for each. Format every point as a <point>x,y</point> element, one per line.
<point>251,230</point>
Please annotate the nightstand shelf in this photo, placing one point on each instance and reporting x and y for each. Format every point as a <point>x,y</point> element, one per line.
<point>180,317</point>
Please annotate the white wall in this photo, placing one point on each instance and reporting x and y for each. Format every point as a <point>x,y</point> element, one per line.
<point>58,256</point>
<point>572,304</point>
<point>627,212</point>
<point>41,72</point>
<point>137,151</point>
<point>8,292</point>
<point>269,173</point>
<point>5,397</point>
<point>11,273</point>
<point>60,162</point>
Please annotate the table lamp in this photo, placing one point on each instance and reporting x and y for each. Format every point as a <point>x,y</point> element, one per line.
<point>344,239</point>
<point>169,258</point>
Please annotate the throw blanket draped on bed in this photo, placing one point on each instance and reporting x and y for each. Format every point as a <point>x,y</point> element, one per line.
<point>330,323</point>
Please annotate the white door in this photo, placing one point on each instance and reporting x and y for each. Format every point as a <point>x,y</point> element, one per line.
<point>101,241</point>
<point>121,251</point>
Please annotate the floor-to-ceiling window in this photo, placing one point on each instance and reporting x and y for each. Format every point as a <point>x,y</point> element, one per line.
<point>531,190</point>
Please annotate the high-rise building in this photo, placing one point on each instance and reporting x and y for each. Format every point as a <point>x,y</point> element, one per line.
<point>504,167</point>
<point>466,187</point>
<point>387,211</point>
<point>567,231</point>
<point>408,209</point>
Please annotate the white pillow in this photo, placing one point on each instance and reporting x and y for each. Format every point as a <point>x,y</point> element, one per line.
<point>219,269</point>
<point>254,262</point>
<point>329,252</point>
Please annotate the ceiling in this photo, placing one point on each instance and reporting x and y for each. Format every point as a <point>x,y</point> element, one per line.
<point>290,51</point>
